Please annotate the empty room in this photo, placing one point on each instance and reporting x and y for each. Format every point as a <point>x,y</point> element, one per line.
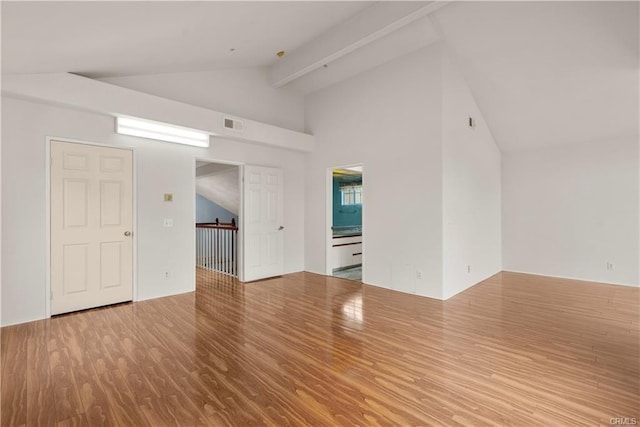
<point>320,213</point>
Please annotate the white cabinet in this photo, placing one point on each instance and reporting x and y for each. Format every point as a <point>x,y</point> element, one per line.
<point>346,251</point>
<point>350,255</point>
<point>335,258</point>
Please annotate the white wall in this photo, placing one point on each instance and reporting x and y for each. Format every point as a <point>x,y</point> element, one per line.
<point>569,210</point>
<point>1,240</point>
<point>389,119</point>
<point>99,97</point>
<point>245,92</point>
<point>471,205</point>
<point>161,168</point>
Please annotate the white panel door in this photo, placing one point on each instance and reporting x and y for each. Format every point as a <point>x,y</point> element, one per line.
<point>263,223</point>
<point>91,226</point>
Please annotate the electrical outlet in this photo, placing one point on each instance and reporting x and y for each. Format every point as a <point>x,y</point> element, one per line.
<point>166,275</point>
<point>610,266</point>
<point>168,222</point>
<point>468,269</point>
<point>419,274</point>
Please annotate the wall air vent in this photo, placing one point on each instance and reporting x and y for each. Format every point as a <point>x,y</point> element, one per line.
<point>233,124</point>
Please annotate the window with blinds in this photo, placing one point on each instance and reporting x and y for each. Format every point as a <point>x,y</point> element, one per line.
<point>351,194</point>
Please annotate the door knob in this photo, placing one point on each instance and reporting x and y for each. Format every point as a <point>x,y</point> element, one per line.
<point>281,228</point>
<point>127,233</point>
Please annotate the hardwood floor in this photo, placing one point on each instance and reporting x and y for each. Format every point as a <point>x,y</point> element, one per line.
<point>311,350</point>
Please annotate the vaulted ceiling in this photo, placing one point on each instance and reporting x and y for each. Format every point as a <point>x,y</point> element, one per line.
<point>546,73</point>
<point>543,73</point>
<point>115,38</point>
<point>220,184</point>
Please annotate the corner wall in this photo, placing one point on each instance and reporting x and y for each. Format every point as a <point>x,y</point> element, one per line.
<point>389,119</point>
<point>568,211</point>
<point>471,193</point>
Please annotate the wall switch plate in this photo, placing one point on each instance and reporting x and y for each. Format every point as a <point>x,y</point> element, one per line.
<point>168,197</point>
<point>168,222</point>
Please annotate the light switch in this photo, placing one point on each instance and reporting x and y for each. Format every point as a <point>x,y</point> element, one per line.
<point>168,197</point>
<point>168,222</point>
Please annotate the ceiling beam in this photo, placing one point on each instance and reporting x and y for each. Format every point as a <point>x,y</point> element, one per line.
<point>371,24</point>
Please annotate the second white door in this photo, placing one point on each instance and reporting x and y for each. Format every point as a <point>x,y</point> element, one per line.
<point>263,223</point>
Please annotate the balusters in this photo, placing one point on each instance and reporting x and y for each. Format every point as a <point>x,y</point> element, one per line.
<point>217,247</point>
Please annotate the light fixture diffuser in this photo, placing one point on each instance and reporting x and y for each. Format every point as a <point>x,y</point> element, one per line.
<point>161,131</point>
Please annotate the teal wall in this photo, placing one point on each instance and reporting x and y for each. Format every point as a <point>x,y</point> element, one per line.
<point>345,216</point>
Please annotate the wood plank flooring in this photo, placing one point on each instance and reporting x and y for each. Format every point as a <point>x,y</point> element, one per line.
<point>310,350</point>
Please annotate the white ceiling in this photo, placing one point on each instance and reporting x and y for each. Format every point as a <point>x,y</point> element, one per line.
<point>546,73</point>
<point>116,38</point>
<point>542,73</point>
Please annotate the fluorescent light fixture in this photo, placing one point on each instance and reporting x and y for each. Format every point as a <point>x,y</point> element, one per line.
<point>161,131</point>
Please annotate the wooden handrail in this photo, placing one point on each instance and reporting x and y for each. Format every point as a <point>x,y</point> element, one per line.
<point>217,226</point>
<point>220,225</point>
<point>216,246</point>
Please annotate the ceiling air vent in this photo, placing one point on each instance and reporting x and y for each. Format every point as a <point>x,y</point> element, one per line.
<point>233,124</point>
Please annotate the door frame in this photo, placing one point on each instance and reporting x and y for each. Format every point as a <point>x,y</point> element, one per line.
<point>240,210</point>
<point>329,216</point>
<point>134,248</point>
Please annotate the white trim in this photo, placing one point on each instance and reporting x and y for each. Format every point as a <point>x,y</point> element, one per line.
<point>328,245</point>
<point>134,248</point>
<point>134,225</point>
<point>47,198</point>
<point>555,276</point>
<point>241,215</point>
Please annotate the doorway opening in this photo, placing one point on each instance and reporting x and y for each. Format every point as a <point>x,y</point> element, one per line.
<point>217,217</point>
<point>345,197</point>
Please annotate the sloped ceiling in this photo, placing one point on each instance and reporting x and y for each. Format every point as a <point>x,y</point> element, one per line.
<point>219,184</point>
<point>116,38</point>
<point>542,72</point>
<point>546,73</point>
